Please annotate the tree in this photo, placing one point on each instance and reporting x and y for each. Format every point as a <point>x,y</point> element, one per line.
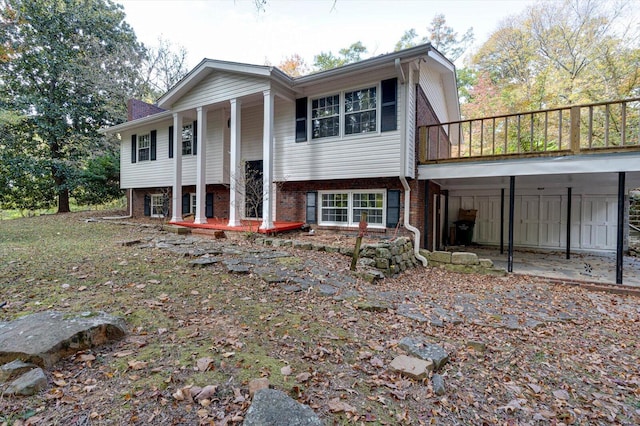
<point>162,67</point>
<point>441,36</point>
<point>71,66</point>
<point>559,53</point>
<point>327,60</point>
<point>294,66</point>
<point>99,181</point>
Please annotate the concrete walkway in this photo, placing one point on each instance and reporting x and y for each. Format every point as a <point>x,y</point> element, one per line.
<point>587,267</point>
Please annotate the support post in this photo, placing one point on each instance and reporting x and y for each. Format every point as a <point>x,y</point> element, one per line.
<point>201,167</point>
<point>501,220</point>
<point>512,201</point>
<point>568,254</point>
<point>446,241</point>
<point>574,129</point>
<point>176,193</point>
<point>426,214</point>
<point>235,169</point>
<point>620,245</point>
<point>356,251</point>
<point>267,162</point>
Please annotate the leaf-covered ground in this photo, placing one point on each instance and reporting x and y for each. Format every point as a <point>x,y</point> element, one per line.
<point>198,327</point>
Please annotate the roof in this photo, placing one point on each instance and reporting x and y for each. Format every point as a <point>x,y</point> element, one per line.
<point>207,66</point>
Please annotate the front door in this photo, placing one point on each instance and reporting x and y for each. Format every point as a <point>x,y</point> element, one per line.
<point>253,188</point>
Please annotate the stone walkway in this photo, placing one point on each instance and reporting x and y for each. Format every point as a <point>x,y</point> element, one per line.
<point>517,308</point>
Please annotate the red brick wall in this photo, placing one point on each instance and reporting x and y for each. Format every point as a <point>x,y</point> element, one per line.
<point>220,199</point>
<point>139,109</point>
<point>438,139</point>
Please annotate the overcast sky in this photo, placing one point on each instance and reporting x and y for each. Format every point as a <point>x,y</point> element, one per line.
<point>234,31</point>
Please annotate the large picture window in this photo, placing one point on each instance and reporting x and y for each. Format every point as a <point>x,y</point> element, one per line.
<point>144,147</point>
<point>345,208</point>
<point>325,116</point>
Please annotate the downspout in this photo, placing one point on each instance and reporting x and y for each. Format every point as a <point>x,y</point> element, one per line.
<point>403,179</point>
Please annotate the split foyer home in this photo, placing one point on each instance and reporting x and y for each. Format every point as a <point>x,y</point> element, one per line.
<point>382,136</point>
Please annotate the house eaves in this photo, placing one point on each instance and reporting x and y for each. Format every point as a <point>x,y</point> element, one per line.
<point>208,66</point>
<point>150,119</point>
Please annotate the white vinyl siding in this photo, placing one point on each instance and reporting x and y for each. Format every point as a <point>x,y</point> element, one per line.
<point>219,87</point>
<point>433,86</point>
<point>367,155</point>
<point>251,130</point>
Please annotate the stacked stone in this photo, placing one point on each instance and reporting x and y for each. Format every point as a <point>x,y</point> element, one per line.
<point>390,257</point>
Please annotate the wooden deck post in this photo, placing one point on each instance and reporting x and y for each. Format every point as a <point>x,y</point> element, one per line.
<point>422,144</point>
<point>363,229</point>
<point>575,129</point>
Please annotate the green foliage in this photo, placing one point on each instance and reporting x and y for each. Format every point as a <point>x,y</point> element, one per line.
<point>99,181</point>
<point>348,55</point>
<point>70,67</point>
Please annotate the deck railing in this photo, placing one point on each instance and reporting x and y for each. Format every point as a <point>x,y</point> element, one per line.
<point>557,131</point>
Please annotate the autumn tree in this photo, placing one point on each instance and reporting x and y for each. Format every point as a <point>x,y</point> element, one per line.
<point>70,67</point>
<point>294,65</point>
<point>559,53</point>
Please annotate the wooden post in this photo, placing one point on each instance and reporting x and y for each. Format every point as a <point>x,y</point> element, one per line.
<point>363,228</point>
<point>422,145</point>
<point>575,129</point>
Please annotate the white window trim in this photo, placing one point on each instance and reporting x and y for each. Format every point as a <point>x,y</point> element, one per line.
<point>350,208</point>
<point>342,115</point>
<point>192,203</point>
<point>152,204</point>
<point>139,148</point>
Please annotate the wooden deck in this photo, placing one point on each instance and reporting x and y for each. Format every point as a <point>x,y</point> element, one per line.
<point>221,224</point>
<point>581,129</point>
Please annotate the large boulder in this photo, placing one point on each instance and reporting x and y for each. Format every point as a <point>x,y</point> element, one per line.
<point>272,407</point>
<point>44,338</point>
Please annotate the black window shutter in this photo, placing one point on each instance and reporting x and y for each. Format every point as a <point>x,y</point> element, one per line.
<point>134,148</point>
<point>389,114</point>
<point>170,141</point>
<point>195,137</point>
<point>186,203</point>
<point>312,207</point>
<point>154,139</point>
<point>147,205</point>
<point>208,211</point>
<point>301,120</point>
<point>393,208</point>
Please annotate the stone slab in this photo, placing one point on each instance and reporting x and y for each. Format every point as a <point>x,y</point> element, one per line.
<point>464,258</point>
<point>272,407</point>
<point>414,368</point>
<point>45,337</point>
<point>424,350</point>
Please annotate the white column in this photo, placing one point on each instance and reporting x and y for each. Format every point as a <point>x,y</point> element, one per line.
<point>176,193</point>
<point>201,167</point>
<point>235,169</point>
<point>267,162</point>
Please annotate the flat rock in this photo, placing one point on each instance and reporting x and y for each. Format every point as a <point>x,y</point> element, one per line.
<point>27,384</point>
<point>13,369</point>
<point>256,384</point>
<point>425,351</point>
<point>437,383</point>
<point>45,337</point>
<point>204,261</point>
<point>411,367</point>
<point>272,407</point>
<point>411,311</point>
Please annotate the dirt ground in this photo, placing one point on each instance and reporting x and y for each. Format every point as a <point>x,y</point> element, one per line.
<point>194,327</point>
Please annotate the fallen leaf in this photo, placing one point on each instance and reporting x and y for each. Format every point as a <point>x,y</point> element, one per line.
<point>206,393</point>
<point>137,365</point>
<point>203,364</point>
<point>303,377</point>
<point>228,354</point>
<point>561,394</point>
<point>535,388</point>
<point>123,354</point>
<point>337,406</point>
<point>286,370</point>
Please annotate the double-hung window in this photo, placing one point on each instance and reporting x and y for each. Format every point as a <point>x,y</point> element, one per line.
<point>360,108</point>
<point>325,116</point>
<point>187,139</point>
<point>158,204</point>
<point>144,147</point>
<point>345,208</point>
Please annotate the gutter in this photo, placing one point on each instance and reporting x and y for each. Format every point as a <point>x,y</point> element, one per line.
<point>403,179</point>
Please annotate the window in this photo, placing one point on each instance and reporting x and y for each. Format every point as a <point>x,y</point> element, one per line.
<point>159,205</point>
<point>360,111</point>
<point>187,139</point>
<point>325,115</point>
<point>345,208</point>
<point>193,204</point>
<point>144,147</point>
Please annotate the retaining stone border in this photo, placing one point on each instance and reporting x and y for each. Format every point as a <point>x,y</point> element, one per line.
<point>395,256</point>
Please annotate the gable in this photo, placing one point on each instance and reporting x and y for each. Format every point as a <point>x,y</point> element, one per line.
<point>221,87</point>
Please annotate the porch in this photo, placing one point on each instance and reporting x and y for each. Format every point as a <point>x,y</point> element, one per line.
<point>245,225</point>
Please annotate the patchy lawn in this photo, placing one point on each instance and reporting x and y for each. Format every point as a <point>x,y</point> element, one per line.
<point>203,326</point>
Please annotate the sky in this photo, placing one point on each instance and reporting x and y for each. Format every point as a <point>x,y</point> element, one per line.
<point>233,30</point>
